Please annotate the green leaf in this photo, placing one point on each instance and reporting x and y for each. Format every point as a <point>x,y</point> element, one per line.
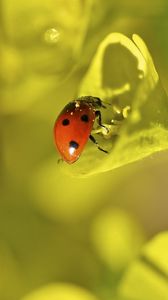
<point>123,70</point>
<point>147,277</point>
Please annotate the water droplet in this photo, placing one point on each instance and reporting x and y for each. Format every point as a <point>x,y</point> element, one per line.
<point>52,36</point>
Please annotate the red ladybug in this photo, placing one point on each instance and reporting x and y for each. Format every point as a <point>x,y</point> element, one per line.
<point>73,127</point>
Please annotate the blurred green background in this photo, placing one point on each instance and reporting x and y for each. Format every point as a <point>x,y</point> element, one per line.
<point>55,228</point>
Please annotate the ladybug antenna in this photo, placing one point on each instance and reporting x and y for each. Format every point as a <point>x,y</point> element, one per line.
<point>104,106</point>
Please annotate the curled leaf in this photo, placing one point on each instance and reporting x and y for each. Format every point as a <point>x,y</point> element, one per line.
<point>122,71</point>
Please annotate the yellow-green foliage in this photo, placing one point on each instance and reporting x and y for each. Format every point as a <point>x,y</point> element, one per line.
<point>91,230</point>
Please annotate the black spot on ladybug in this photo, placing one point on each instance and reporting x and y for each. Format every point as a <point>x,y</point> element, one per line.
<point>65,122</point>
<point>73,144</point>
<point>85,118</point>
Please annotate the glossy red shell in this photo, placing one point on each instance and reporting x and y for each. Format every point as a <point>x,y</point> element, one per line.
<point>76,130</point>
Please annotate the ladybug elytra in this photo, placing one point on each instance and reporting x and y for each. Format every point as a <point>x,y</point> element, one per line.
<point>74,125</point>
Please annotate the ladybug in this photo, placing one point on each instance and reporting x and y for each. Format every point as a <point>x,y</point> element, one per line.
<point>73,127</point>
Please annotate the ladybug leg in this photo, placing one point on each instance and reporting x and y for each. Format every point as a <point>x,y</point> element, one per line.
<point>60,160</point>
<point>98,114</point>
<point>95,142</point>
